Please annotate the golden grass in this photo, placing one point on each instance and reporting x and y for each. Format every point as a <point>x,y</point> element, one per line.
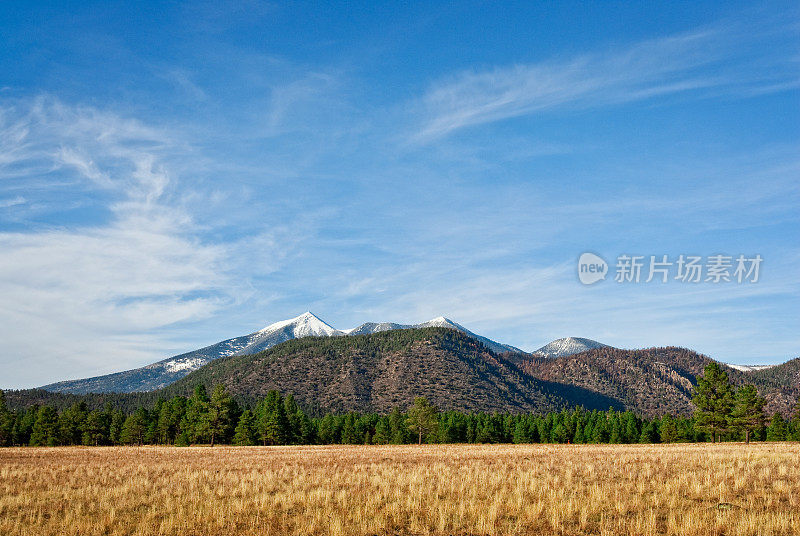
<point>728,489</point>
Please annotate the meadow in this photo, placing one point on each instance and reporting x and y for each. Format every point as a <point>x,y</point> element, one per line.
<point>687,489</point>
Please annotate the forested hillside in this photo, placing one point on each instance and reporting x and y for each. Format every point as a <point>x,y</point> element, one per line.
<point>655,381</point>
<point>384,370</point>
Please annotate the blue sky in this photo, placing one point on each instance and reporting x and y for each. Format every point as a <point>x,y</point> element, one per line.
<point>176,174</point>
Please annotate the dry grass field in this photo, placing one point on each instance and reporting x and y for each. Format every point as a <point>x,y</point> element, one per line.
<point>454,489</point>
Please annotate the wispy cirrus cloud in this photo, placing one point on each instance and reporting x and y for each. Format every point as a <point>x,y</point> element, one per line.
<point>12,201</point>
<point>140,268</point>
<point>699,62</point>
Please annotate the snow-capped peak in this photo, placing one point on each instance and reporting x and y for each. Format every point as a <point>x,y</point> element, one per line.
<point>305,325</point>
<point>309,325</point>
<point>440,321</point>
<point>568,346</point>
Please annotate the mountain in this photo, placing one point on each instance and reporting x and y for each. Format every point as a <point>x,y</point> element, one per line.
<point>382,370</point>
<point>780,384</point>
<point>649,382</point>
<point>655,381</point>
<point>388,368</point>
<point>162,373</point>
<point>568,346</point>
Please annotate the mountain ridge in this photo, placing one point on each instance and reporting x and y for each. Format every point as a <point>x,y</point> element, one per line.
<point>165,372</point>
<point>386,369</point>
<point>162,373</point>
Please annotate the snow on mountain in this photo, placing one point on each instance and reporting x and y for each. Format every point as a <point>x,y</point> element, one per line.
<point>438,322</point>
<point>305,325</point>
<point>749,368</point>
<point>162,373</point>
<point>567,346</point>
<point>442,322</point>
<point>188,363</point>
<point>375,327</point>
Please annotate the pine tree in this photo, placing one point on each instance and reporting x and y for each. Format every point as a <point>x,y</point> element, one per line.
<point>349,434</point>
<point>748,411</point>
<point>482,432</point>
<point>170,418</point>
<point>273,424</point>
<point>583,434</point>
<point>560,434</point>
<point>397,427</point>
<point>668,429</point>
<point>632,433</point>
<point>457,432</point>
<point>649,434</point>
<point>195,422</point>
<point>182,440</point>
<point>270,430</point>
<point>601,434</point>
<point>282,422</point>
<point>115,429</point>
<point>23,425</point>
<point>6,422</point>
<point>293,417</point>
<point>381,435</point>
<point>422,417</point>
<point>521,432</point>
<point>245,430</point>
<point>164,425</point>
<point>71,422</point>
<point>327,430</point>
<point>308,433</point>
<point>776,431</point>
<point>45,429</point>
<point>135,428</point>
<point>616,433</point>
<point>95,429</point>
<point>217,418</point>
<point>713,400</point>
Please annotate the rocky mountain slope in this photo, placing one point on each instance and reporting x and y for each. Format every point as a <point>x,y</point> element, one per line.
<point>653,381</point>
<point>379,371</point>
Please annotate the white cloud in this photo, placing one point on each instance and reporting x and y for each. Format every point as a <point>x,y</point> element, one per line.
<point>88,297</point>
<point>676,64</point>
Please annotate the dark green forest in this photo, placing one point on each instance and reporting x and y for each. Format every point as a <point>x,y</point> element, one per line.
<point>723,413</point>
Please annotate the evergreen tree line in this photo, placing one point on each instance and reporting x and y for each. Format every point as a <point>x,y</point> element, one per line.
<point>722,414</point>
